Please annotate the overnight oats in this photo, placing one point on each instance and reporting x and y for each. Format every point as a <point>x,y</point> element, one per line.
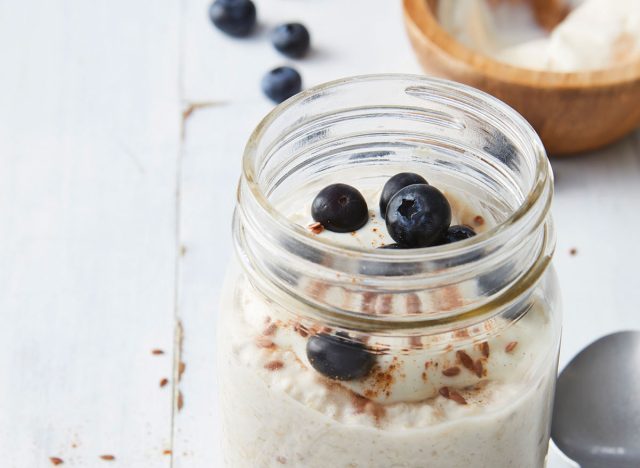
<point>392,303</point>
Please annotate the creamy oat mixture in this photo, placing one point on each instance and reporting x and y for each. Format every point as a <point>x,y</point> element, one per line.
<point>438,401</point>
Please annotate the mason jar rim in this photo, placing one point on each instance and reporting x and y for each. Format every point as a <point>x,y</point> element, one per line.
<point>503,229</point>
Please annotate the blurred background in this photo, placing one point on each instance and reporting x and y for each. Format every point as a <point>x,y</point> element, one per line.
<point>122,127</point>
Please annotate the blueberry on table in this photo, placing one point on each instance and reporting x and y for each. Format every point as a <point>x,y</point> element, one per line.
<point>340,208</point>
<point>457,233</point>
<point>291,39</point>
<point>394,184</point>
<point>233,17</point>
<point>281,83</point>
<point>338,358</point>
<point>418,216</point>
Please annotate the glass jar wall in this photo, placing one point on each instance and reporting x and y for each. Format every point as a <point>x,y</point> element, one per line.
<point>336,353</point>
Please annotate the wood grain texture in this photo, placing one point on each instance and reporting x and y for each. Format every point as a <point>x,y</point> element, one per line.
<point>572,112</point>
<point>89,133</point>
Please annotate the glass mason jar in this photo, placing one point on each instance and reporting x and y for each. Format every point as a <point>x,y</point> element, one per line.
<point>450,351</point>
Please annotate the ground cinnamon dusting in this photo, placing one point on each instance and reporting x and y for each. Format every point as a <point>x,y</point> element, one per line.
<point>316,228</point>
<point>478,369</point>
<point>466,360</point>
<point>478,220</point>
<point>415,342</point>
<point>368,302</point>
<point>166,452</point>
<point>107,457</point>
<point>484,349</point>
<point>180,402</point>
<point>318,289</point>
<point>281,460</point>
<point>511,346</point>
<point>164,382</point>
<point>385,304</point>
<point>181,368</point>
<point>573,251</point>
<point>274,365</point>
<point>56,461</point>
<point>270,330</point>
<point>451,371</point>
<point>157,351</point>
<point>450,298</point>
<point>300,330</point>
<point>264,342</point>
<point>413,304</point>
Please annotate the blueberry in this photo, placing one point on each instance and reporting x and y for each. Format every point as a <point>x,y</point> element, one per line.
<point>457,233</point>
<point>233,17</point>
<point>340,208</point>
<point>394,184</point>
<point>291,39</point>
<point>418,216</point>
<point>338,358</point>
<point>281,83</point>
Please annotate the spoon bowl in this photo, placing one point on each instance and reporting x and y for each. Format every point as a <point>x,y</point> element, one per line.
<point>596,416</point>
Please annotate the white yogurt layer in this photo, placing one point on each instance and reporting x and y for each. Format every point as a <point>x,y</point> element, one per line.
<point>597,34</point>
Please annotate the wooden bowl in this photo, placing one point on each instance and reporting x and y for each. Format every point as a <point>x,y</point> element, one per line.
<point>571,112</point>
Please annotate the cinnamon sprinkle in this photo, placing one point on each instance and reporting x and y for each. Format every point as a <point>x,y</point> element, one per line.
<point>300,330</point>
<point>511,346</point>
<point>274,365</point>
<point>479,370</point>
<point>368,302</point>
<point>466,360</point>
<point>281,460</point>
<point>164,382</point>
<point>56,461</point>
<point>107,457</point>
<point>180,402</point>
<point>316,228</point>
<point>270,330</point>
<point>415,342</point>
<point>264,342</point>
<point>444,391</point>
<point>413,304</point>
<point>484,349</point>
<point>385,303</point>
<point>166,452</point>
<point>157,351</point>
<point>451,371</point>
<point>478,220</point>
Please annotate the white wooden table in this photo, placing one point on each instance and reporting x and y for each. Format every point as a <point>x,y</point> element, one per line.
<point>121,130</point>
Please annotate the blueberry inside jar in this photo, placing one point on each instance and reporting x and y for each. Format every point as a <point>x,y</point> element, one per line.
<point>343,343</point>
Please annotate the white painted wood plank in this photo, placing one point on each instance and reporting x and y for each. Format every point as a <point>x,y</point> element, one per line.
<point>596,212</point>
<point>348,38</point>
<point>211,166</point>
<point>89,136</point>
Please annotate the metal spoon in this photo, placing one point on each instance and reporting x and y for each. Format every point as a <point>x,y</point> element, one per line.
<point>596,418</point>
